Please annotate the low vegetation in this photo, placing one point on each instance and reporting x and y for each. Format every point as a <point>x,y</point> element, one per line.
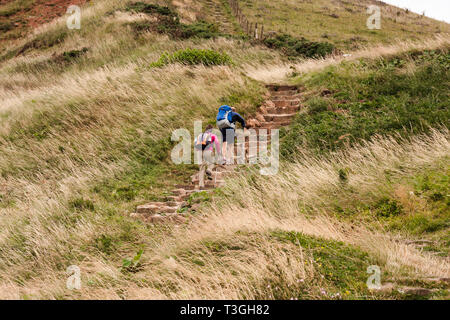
<point>194,57</point>
<point>406,94</point>
<point>299,47</point>
<point>150,8</point>
<point>342,23</point>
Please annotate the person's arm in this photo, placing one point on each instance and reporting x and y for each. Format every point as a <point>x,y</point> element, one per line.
<point>237,117</point>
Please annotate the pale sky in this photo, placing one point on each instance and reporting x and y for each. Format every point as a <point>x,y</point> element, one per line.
<point>437,9</point>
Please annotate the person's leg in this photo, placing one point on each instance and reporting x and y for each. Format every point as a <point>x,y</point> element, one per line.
<point>223,132</point>
<point>201,175</point>
<point>230,134</point>
<point>209,163</point>
<point>201,171</point>
<point>206,167</point>
<point>224,150</point>
<point>209,171</point>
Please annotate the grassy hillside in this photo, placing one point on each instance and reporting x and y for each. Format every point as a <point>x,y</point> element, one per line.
<point>340,22</point>
<point>404,94</point>
<point>85,126</point>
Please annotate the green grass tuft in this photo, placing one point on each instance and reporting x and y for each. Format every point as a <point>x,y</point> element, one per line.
<point>193,57</point>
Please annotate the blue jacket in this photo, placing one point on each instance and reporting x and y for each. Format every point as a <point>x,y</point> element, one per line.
<point>236,117</point>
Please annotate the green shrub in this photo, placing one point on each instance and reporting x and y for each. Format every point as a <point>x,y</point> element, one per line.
<point>149,8</point>
<point>6,26</point>
<point>105,244</point>
<point>299,47</point>
<point>73,54</point>
<point>200,29</point>
<point>420,223</point>
<point>343,175</point>
<point>81,204</point>
<point>193,57</point>
<point>387,208</point>
<point>317,105</point>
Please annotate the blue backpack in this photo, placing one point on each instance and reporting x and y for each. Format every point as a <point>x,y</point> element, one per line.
<point>224,111</point>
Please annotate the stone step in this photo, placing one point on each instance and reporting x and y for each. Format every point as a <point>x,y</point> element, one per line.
<point>279,117</point>
<point>252,142</point>
<point>267,137</point>
<point>153,209</point>
<point>256,125</point>
<point>156,203</point>
<point>175,198</point>
<point>179,192</point>
<point>279,88</point>
<point>286,103</point>
<point>260,132</point>
<point>186,187</point>
<point>177,204</point>
<point>217,181</point>
<point>261,135</point>
<point>196,179</point>
<point>207,187</point>
<point>290,93</point>
<point>215,175</point>
<point>225,168</point>
<point>253,152</point>
<point>267,128</point>
<point>253,147</point>
<point>182,192</point>
<point>174,218</point>
<point>275,125</point>
<point>292,96</point>
<point>289,109</point>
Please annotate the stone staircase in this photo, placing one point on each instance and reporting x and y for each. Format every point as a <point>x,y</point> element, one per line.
<point>277,111</point>
<point>281,105</point>
<point>220,16</point>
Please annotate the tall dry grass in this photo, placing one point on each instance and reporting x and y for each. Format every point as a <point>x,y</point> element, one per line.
<point>301,197</point>
<point>298,199</point>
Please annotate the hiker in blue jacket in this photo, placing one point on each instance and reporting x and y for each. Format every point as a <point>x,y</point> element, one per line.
<point>226,122</point>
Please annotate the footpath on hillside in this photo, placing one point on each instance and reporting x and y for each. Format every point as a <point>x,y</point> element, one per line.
<point>280,107</point>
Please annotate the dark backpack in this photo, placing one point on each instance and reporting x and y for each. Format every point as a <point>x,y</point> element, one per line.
<point>203,141</point>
